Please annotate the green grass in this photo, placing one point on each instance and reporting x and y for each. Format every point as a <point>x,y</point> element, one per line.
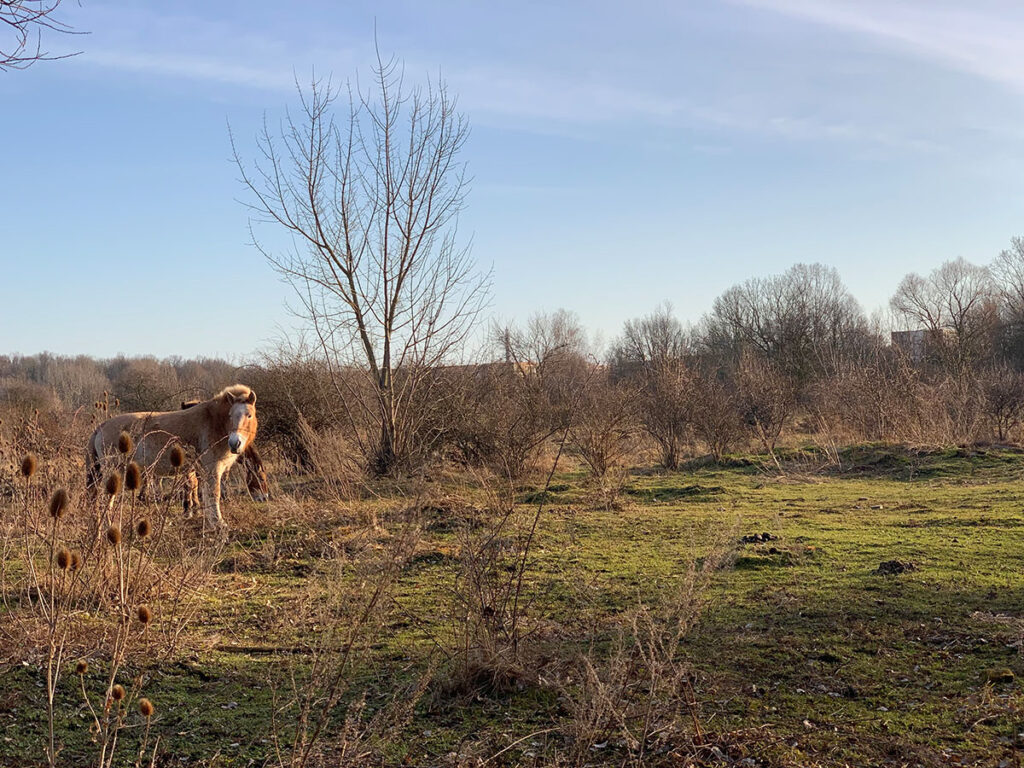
<point>804,655</point>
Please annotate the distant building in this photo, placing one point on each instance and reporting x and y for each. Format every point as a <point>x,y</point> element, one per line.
<point>913,344</point>
<point>916,345</point>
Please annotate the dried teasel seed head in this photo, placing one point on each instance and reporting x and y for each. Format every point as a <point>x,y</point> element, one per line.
<point>132,476</point>
<point>76,561</point>
<point>124,443</point>
<point>145,615</point>
<point>81,667</point>
<point>143,528</point>
<point>63,559</point>
<point>113,484</point>
<point>177,456</point>
<point>114,535</point>
<point>58,502</point>
<point>117,692</point>
<point>29,463</point>
<point>146,708</point>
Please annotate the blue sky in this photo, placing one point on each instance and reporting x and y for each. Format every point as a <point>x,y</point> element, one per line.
<point>622,154</point>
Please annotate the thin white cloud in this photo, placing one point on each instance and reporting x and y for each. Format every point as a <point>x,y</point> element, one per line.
<point>535,102</point>
<point>980,37</point>
<point>523,96</point>
<point>195,67</point>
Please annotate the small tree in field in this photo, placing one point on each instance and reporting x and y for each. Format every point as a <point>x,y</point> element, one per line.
<point>767,398</point>
<point>714,413</point>
<point>372,204</point>
<point>650,354</point>
<point>1004,400</point>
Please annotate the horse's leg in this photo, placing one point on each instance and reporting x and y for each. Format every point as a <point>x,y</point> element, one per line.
<point>190,493</point>
<point>211,495</point>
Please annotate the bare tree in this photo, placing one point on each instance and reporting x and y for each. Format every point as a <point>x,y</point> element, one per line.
<point>714,412</point>
<point>956,305</point>
<point>803,320</point>
<point>24,21</point>
<point>651,353</point>
<point>1004,400</point>
<point>1008,273</point>
<point>372,205</point>
<point>665,412</point>
<point>649,342</point>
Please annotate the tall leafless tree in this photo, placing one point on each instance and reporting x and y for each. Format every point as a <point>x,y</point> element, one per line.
<point>1008,273</point>
<point>804,320</point>
<point>649,342</point>
<point>372,204</point>
<point>956,305</point>
<point>23,23</point>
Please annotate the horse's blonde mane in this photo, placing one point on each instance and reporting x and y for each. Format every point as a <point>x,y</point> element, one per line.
<point>236,391</point>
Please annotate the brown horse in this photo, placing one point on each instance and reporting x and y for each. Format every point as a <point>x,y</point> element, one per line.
<point>217,431</point>
<point>256,480</point>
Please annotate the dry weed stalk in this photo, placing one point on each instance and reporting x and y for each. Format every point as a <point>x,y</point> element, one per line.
<point>640,696</point>
<point>489,600</point>
<point>68,591</point>
<point>346,611</point>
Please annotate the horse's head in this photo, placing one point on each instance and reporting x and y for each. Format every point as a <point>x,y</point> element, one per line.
<point>241,404</point>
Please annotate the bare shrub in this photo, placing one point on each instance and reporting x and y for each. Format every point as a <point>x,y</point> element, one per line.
<point>1004,400</point>
<point>20,398</point>
<point>501,415</point>
<point>878,399</point>
<point>713,410</point>
<point>295,387</point>
<point>640,696</point>
<point>146,384</point>
<point>488,610</point>
<point>335,460</point>
<point>491,613</point>
<point>502,419</point>
<point>665,399</point>
<point>604,433</point>
<point>767,399</point>
<point>345,612</point>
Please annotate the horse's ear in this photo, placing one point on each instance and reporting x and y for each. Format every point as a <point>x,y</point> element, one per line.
<point>251,399</point>
<point>227,397</point>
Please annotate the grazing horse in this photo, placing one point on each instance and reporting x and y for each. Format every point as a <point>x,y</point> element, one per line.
<point>217,430</point>
<point>256,480</point>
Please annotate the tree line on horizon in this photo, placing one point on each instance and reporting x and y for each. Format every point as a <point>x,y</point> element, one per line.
<point>789,355</point>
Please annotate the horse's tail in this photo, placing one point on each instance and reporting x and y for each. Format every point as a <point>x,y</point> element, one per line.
<point>93,470</point>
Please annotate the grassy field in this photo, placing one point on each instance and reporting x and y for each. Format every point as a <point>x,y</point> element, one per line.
<point>802,654</point>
